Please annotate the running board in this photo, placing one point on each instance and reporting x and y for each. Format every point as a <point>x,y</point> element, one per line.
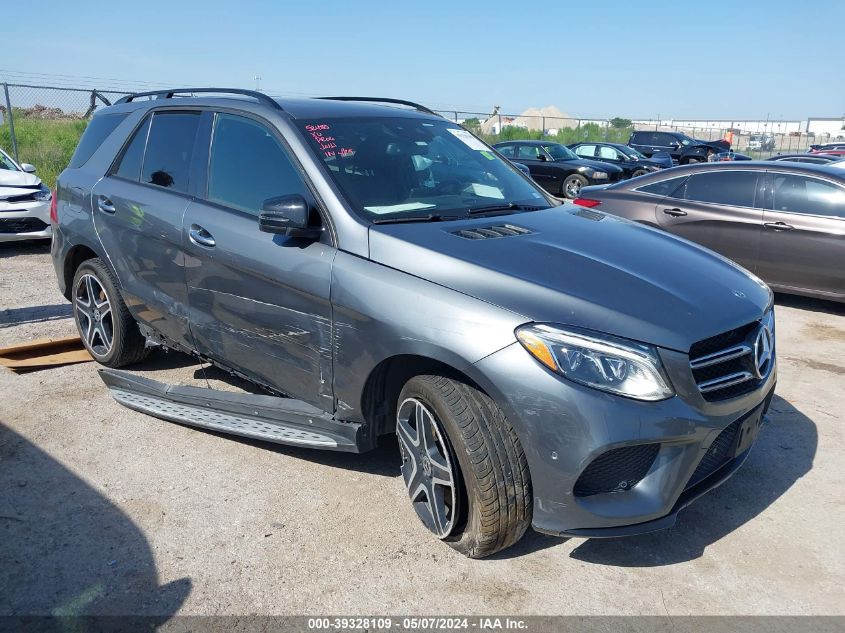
<point>263,417</point>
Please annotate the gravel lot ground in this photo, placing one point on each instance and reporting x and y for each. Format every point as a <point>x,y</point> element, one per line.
<point>105,510</point>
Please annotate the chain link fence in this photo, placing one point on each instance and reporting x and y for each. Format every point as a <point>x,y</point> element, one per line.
<point>41,125</point>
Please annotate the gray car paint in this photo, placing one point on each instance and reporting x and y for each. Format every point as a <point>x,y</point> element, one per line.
<point>804,259</point>
<point>323,318</point>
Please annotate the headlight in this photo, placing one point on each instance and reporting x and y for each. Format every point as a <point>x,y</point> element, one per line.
<point>599,175</point>
<point>43,194</point>
<point>601,361</point>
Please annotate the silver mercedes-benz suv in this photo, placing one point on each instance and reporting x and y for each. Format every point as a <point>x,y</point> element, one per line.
<point>379,270</point>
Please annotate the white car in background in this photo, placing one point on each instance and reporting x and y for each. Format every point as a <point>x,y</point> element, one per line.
<point>24,202</point>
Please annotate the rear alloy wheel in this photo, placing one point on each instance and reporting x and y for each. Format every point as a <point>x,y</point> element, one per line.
<point>105,326</point>
<point>572,186</point>
<point>463,466</point>
<point>94,315</point>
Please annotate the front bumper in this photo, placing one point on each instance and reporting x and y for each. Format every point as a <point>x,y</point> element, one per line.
<point>24,221</point>
<point>564,427</point>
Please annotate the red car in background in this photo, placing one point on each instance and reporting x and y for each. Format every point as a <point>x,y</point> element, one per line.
<point>833,149</point>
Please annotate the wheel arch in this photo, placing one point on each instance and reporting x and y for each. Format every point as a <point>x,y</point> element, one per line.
<point>386,380</point>
<point>74,258</point>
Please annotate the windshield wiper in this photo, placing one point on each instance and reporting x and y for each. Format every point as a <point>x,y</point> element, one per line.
<point>431,217</point>
<point>511,206</point>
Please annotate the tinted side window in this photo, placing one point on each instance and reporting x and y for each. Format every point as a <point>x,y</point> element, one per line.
<point>507,150</point>
<point>170,144</point>
<point>641,138</point>
<point>665,140</point>
<point>586,150</point>
<point>528,151</point>
<point>129,165</point>
<point>735,188</point>
<point>248,165</point>
<point>98,130</point>
<point>800,194</point>
<point>663,187</point>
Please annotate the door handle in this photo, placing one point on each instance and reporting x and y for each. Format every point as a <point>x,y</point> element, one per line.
<point>778,226</point>
<point>675,212</point>
<point>105,205</point>
<point>200,236</point>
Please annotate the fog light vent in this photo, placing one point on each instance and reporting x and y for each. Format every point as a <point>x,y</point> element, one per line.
<point>616,470</point>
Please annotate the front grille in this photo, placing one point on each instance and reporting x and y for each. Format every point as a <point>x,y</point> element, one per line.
<point>719,453</point>
<point>21,225</point>
<point>723,365</point>
<point>617,470</point>
<point>488,232</point>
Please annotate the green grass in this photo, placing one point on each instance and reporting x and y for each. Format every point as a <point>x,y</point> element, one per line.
<point>46,143</point>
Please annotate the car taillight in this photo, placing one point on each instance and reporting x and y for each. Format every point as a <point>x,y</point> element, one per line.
<point>54,212</point>
<point>587,202</point>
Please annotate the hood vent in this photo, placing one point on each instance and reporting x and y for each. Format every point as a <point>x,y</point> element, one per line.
<point>490,232</point>
<point>589,215</point>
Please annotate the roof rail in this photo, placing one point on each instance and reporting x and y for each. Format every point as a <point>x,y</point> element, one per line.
<point>416,106</point>
<point>168,94</point>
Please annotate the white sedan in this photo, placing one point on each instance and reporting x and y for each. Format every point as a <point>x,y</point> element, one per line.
<point>24,202</point>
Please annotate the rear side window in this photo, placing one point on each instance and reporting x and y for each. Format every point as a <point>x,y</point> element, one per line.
<point>643,138</point>
<point>248,165</point>
<point>800,194</point>
<point>170,145</point>
<point>588,151</point>
<point>129,165</point>
<point>528,151</point>
<point>507,150</point>
<point>98,130</point>
<point>734,188</point>
<point>664,187</point>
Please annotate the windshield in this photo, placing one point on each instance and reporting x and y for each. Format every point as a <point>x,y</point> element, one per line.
<point>6,162</point>
<point>560,152</point>
<point>393,168</point>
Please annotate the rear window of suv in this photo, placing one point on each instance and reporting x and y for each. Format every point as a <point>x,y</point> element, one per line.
<point>98,130</point>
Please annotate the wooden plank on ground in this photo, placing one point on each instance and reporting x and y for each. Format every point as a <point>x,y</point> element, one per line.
<point>44,353</point>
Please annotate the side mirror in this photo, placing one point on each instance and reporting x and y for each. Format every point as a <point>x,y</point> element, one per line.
<point>541,157</point>
<point>30,169</point>
<point>287,215</point>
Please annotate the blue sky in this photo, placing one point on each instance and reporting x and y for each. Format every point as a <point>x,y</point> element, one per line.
<point>598,58</point>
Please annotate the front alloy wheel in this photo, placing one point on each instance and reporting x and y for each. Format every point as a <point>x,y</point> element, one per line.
<point>427,468</point>
<point>94,315</point>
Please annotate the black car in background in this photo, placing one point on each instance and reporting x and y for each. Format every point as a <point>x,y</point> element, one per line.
<point>815,159</point>
<point>681,147</point>
<point>557,169</point>
<point>626,158</point>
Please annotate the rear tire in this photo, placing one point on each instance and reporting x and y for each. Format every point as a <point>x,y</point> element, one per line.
<point>106,328</point>
<point>571,187</point>
<point>492,501</point>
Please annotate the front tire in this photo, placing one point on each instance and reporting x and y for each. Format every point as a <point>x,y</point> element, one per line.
<point>639,172</point>
<point>463,466</point>
<point>572,185</point>
<point>105,326</point>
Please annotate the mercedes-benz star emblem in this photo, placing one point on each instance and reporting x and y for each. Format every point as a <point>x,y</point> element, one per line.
<point>763,345</point>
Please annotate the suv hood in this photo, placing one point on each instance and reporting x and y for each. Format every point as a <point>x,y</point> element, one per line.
<point>584,268</point>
